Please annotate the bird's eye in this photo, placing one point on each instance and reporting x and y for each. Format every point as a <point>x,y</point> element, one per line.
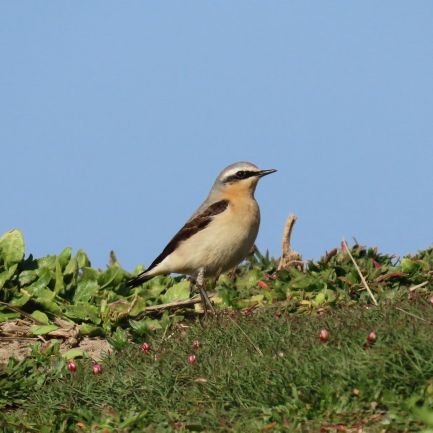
<point>241,174</point>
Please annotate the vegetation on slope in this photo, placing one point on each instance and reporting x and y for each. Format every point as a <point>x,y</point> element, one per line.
<point>258,366</point>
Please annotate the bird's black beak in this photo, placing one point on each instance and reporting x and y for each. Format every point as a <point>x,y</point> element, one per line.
<point>262,173</point>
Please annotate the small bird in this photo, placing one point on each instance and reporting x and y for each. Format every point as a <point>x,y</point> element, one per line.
<point>220,233</point>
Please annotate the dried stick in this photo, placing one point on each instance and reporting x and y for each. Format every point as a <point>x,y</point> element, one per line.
<point>174,304</point>
<point>364,281</point>
<point>289,257</point>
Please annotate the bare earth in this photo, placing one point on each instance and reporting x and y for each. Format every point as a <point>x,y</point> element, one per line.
<point>16,340</point>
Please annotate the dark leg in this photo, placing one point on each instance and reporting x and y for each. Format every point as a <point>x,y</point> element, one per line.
<point>200,283</point>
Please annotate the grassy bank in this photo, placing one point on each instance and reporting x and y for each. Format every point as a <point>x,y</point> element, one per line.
<point>268,371</point>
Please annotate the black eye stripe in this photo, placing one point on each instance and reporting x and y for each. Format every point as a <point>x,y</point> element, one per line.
<point>239,175</point>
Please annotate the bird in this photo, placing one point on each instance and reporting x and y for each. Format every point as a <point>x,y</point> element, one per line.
<point>218,235</point>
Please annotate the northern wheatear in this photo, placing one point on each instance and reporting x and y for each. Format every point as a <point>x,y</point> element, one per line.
<point>219,235</point>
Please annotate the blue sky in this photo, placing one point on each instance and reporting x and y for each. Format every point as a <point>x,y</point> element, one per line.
<point>117,116</point>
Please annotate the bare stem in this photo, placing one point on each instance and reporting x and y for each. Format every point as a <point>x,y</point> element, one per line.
<point>364,281</point>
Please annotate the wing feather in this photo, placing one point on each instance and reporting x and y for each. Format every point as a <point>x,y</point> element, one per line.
<point>193,226</point>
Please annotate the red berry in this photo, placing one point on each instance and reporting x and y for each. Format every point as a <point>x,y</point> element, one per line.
<point>72,367</point>
<point>196,344</point>
<point>323,335</point>
<point>372,337</point>
<point>145,347</point>
<point>97,368</point>
<point>192,359</point>
<point>262,284</point>
<point>376,264</point>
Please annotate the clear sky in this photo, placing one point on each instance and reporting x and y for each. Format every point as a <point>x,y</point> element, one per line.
<point>117,116</point>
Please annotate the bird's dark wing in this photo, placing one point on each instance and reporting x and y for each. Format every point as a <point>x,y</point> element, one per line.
<point>193,226</point>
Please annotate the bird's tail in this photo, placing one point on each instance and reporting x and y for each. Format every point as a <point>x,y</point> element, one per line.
<point>139,279</point>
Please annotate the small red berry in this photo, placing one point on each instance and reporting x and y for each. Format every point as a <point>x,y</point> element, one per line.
<point>376,264</point>
<point>262,284</point>
<point>72,367</point>
<point>372,337</point>
<point>324,335</point>
<point>145,347</point>
<point>192,359</point>
<point>97,368</point>
<point>196,344</point>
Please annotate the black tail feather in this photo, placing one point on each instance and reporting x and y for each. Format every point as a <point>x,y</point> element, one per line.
<point>139,279</point>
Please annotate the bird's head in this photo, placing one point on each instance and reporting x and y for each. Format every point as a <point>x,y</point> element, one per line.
<point>239,178</point>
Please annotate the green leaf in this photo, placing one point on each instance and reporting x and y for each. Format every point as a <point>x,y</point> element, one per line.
<point>6,275</point>
<point>177,292</point>
<point>91,330</point>
<point>40,286</point>
<point>64,257</point>
<point>48,262</point>
<point>111,277</point>
<point>27,277</point>
<point>11,247</point>
<point>71,267</point>
<point>86,290</point>
<point>49,305</point>
<point>40,317</point>
<point>4,317</point>
<point>73,353</point>
<point>82,259</point>
<point>138,307</point>
<point>83,311</point>
<point>42,329</point>
<point>40,292</point>
<point>21,300</point>
<point>60,285</point>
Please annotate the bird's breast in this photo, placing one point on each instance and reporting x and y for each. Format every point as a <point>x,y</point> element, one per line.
<point>224,243</point>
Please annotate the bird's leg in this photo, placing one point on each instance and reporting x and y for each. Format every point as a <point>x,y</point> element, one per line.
<point>200,283</point>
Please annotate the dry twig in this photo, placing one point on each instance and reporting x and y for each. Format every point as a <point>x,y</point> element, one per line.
<point>174,304</point>
<point>289,257</point>
<point>364,281</point>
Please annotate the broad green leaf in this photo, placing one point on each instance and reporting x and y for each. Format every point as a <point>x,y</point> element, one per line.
<point>42,329</point>
<point>177,292</point>
<point>64,257</point>
<point>20,300</point>
<point>257,298</point>
<point>6,275</point>
<point>4,317</point>
<point>153,288</point>
<point>86,290</point>
<point>48,262</point>
<point>49,305</point>
<point>27,277</point>
<point>249,279</point>
<point>116,309</point>
<point>112,276</point>
<point>73,353</point>
<point>40,286</point>
<point>40,317</point>
<point>82,259</point>
<point>138,308</point>
<point>60,285</point>
<point>40,292</point>
<point>89,274</point>
<point>320,298</point>
<point>91,330</point>
<point>11,247</point>
<point>152,324</point>
<point>83,311</point>
<point>71,267</point>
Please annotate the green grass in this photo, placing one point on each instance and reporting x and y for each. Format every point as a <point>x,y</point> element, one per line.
<point>267,372</point>
<point>256,371</point>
